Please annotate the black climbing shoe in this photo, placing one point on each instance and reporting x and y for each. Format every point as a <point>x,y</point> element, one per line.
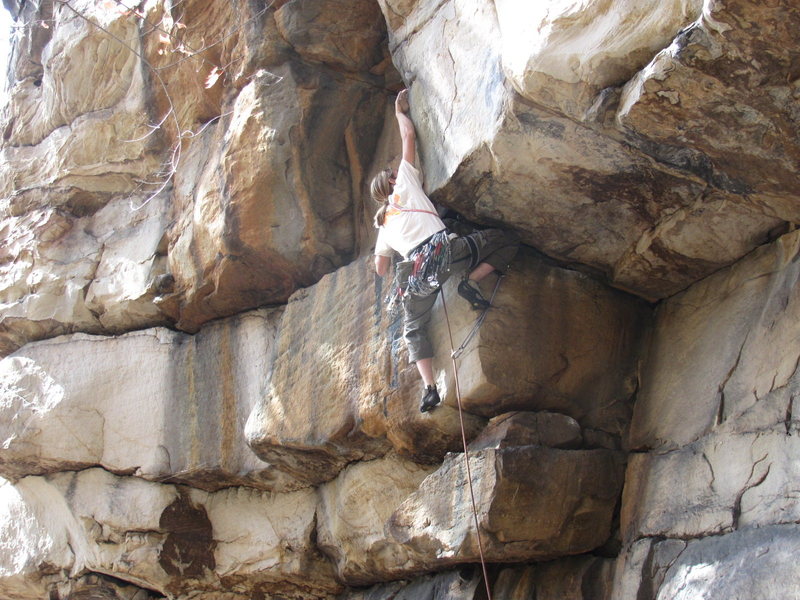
<point>430,399</point>
<point>470,291</point>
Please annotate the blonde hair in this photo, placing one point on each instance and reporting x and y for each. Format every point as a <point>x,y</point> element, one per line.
<point>380,188</point>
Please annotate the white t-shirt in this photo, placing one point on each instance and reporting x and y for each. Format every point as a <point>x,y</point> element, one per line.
<point>403,229</point>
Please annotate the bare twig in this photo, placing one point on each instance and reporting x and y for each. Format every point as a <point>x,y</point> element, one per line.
<point>176,151</point>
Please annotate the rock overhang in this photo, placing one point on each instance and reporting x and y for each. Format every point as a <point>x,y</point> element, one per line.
<point>654,161</point>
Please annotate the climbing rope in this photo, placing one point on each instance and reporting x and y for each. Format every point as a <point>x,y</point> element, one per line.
<point>478,322</point>
<point>454,356</point>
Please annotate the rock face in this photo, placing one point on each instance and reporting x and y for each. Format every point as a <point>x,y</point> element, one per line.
<point>587,155</point>
<point>227,230</point>
<point>173,539</point>
<point>335,398</point>
<point>568,495</point>
<point>726,440</point>
<point>176,413</point>
<point>203,396</point>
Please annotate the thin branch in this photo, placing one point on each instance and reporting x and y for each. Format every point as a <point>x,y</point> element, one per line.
<point>155,27</point>
<point>194,52</point>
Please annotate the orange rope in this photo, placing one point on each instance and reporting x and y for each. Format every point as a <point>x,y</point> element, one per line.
<point>466,453</point>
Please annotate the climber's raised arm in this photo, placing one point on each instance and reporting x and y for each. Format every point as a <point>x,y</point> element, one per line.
<point>407,133</point>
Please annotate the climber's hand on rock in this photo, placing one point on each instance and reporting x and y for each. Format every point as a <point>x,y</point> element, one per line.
<point>401,104</point>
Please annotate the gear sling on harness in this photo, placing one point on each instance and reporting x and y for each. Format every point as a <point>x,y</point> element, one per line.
<point>423,265</point>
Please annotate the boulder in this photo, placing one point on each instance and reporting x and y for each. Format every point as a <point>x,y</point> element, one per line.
<point>353,510</point>
<point>174,413</point>
<point>569,497</point>
<point>166,538</point>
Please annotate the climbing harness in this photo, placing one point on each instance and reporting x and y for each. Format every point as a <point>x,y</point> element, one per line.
<point>420,274</point>
<point>430,260</point>
<point>454,356</point>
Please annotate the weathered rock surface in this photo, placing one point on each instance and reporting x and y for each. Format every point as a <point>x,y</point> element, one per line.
<point>530,429</point>
<point>569,498</point>
<point>579,578</point>
<point>62,273</point>
<point>753,563</point>
<point>726,482</point>
<point>650,144</point>
<point>341,391</point>
<point>273,210</point>
<point>716,431</point>
<point>460,585</point>
<point>720,348</point>
<point>186,103</point>
<point>161,537</point>
<point>353,512</point>
<point>568,579</point>
<point>556,340</point>
<point>318,32</point>
<point>653,213</point>
<point>175,413</point>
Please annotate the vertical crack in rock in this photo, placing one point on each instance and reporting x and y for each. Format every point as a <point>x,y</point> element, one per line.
<point>737,505</point>
<point>710,469</point>
<point>230,422</point>
<point>188,550</point>
<point>721,406</point>
<point>455,76</point>
<point>787,421</point>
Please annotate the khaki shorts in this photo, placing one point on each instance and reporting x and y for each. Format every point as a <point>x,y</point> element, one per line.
<point>493,246</point>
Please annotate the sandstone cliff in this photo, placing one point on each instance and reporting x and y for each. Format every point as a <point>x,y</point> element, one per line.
<point>202,394</point>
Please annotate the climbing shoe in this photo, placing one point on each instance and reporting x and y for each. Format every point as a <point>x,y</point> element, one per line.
<point>430,399</point>
<point>470,291</point>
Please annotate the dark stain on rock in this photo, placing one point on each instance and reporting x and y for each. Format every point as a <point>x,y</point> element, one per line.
<point>188,550</point>
<point>548,127</point>
<point>640,191</point>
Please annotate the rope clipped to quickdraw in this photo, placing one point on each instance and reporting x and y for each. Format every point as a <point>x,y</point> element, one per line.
<point>464,441</point>
<point>478,322</point>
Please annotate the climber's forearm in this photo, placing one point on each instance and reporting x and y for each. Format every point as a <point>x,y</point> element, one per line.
<point>408,134</point>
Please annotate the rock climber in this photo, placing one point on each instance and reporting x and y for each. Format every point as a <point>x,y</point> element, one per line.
<point>408,223</point>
